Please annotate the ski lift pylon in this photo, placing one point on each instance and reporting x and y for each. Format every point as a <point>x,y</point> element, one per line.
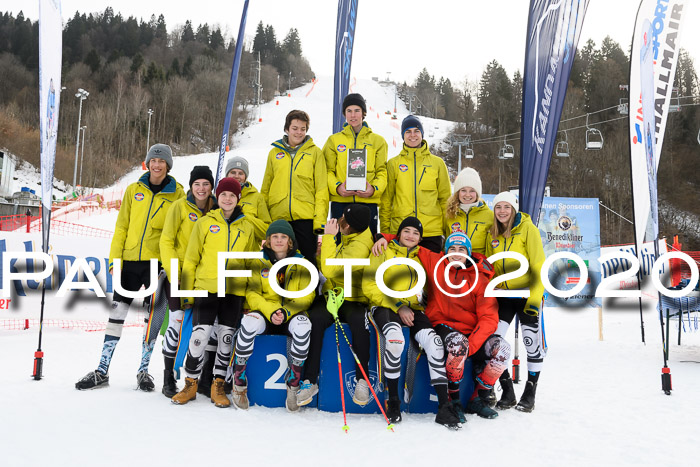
<point>594,138</point>
<point>563,146</point>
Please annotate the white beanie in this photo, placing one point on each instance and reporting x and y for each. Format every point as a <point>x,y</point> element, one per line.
<point>468,177</point>
<point>508,197</point>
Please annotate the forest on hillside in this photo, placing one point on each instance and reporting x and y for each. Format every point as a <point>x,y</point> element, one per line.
<point>130,66</point>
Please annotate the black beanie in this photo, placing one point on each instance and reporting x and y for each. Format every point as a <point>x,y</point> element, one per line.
<point>410,222</point>
<point>354,99</point>
<point>201,172</point>
<point>358,217</point>
<point>411,122</point>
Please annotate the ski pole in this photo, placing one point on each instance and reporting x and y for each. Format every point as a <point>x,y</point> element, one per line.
<point>340,377</point>
<point>389,426</point>
<point>516,361</point>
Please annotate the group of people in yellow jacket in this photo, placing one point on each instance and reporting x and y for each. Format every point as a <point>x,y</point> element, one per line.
<point>409,196</point>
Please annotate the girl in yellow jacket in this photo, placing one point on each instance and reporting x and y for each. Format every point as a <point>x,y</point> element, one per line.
<point>274,313</point>
<point>417,185</point>
<point>390,313</point>
<point>356,134</point>
<point>355,243</point>
<point>513,231</point>
<point>225,229</point>
<point>135,242</point>
<point>294,186</point>
<point>252,202</point>
<point>467,212</point>
<point>177,229</point>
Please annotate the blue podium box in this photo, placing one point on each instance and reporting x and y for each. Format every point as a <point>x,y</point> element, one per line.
<point>268,366</point>
<point>266,370</point>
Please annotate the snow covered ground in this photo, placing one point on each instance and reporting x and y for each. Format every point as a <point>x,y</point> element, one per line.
<point>598,401</point>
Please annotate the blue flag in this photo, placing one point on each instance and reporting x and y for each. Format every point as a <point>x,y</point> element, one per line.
<point>231,94</point>
<point>553,30</point>
<point>344,41</point>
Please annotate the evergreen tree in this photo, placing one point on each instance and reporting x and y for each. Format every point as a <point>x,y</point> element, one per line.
<point>187,32</point>
<point>93,60</point>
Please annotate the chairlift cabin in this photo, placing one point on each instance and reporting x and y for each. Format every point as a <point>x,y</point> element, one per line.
<point>594,138</point>
<point>623,106</point>
<point>507,151</point>
<point>563,147</point>
<point>469,152</point>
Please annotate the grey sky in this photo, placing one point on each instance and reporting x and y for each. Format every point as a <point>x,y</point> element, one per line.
<point>451,39</point>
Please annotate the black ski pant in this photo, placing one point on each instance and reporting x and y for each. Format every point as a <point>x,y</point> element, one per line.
<point>134,274</point>
<point>350,312</point>
<point>307,240</point>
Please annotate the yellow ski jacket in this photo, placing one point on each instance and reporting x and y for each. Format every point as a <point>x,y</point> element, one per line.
<point>335,152</point>
<point>354,246</point>
<point>476,223</point>
<point>295,188</point>
<point>141,219</point>
<point>399,277</point>
<point>417,185</point>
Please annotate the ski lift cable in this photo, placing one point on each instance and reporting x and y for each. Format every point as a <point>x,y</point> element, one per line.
<point>616,213</point>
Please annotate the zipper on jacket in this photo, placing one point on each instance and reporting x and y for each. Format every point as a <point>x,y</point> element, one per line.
<point>291,172</point>
<point>146,226</point>
<point>421,176</point>
<point>161,205</point>
<point>415,186</point>
<point>505,241</point>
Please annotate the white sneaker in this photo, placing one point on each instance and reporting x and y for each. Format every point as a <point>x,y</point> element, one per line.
<point>240,397</point>
<point>291,402</point>
<point>306,393</point>
<point>361,396</point>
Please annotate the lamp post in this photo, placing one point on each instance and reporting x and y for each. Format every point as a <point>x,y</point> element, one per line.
<point>290,81</point>
<point>148,138</point>
<point>82,94</point>
<point>82,156</point>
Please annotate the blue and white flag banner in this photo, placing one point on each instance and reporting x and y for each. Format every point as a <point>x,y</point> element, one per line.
<point>553,31</point>
<point>50,47</point>
<point>344,41</point>
<point>231,94</point>
<point>655,47</point>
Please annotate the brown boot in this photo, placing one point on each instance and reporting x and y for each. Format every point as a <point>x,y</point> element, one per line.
<point>218,395</point>
<point>240,396</point>
<point>188,393</point>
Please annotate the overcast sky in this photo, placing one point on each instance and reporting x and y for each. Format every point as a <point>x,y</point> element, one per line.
<point>454,39</point>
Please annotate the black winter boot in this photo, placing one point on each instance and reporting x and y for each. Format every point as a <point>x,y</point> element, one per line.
<point>508,396</point>
<point>393,409</point>
<point>207,376</point>
<point>527,400</point>
<point>479,406</point>
<point>447,415</point>
<point>169,384</point>
<point>490,398</point>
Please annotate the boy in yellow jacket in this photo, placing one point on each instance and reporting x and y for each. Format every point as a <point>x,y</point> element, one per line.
<point>356,134</point>
<point>274,313</point>
<point>225,229</point>
<point>136,241</point>
<point>177,230</point>
<point>391,312</point>
<point>294,186</point>
<point>417,185</point>
<point>355,243</point>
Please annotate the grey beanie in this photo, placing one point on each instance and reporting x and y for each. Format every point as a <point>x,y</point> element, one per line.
<point>237,162</point>
<point>160,151</point>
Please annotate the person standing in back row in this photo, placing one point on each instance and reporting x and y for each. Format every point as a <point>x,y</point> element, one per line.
<point>356,134</point>
<point>417,185</point>
<point>294,185</point>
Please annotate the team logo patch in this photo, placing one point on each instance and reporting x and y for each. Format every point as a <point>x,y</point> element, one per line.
<point>494,243</point>
<point>265,273</point>
<point>403,167</point>
<point>455,227</point>
<point>279,155</point>
<point>214,229</point>
<point>342,148</point>
<point>564,223</point>
<point>193,217</point>
<point>139,196</point>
